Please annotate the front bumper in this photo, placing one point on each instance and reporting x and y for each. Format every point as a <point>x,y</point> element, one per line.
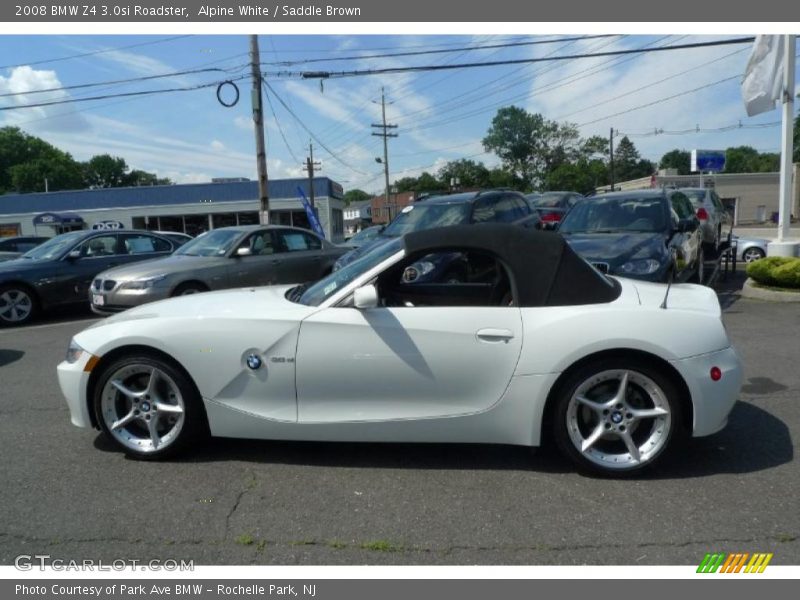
<point>712,400</point>
<point>73,379</point>
<point>119,299</point>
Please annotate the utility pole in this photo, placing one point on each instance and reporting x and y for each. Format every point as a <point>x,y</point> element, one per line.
<point>785,195</point>
<point>611,157</point>
<point>384,127</point>
<point>258,123</point>
<point>311,167</point>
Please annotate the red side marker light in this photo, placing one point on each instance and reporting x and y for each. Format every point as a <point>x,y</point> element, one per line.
<point>716,374</point>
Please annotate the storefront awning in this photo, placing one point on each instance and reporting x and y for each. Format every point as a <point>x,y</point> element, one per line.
<point>50,218</point>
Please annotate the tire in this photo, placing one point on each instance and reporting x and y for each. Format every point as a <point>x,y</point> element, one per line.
<point>752,254</point>
<point>18,305</point>
<point>148,407</point>
<point>185,289</point>
<point>601,432</point>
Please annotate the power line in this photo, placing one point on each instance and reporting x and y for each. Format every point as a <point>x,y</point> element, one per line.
<point>121,81</point>
<point>497,63</point>
<point>290,63</point>
<point>95,52</point>
<point>697,129</point>
<point>311,133</point>
<point>278,123</point>
<point>123,94</point>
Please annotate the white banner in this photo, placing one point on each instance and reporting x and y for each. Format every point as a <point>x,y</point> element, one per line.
<point>763,77</point>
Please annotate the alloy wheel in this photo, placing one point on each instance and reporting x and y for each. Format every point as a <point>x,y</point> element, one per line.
<point>619,419</point>
<point>16,305</point>
<point>142,408</point>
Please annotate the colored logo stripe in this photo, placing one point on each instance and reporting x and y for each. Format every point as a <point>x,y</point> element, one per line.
<point>733,563</point>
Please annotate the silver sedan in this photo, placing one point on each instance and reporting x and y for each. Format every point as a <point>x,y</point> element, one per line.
<point>228,257</point>
<point>750,249</point>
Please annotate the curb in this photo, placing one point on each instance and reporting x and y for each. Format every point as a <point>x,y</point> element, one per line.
<point>752,291</point>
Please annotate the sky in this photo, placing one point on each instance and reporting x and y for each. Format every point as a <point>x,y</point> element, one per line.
<point>190,136</point>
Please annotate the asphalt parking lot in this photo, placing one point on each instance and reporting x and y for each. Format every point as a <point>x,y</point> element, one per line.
<point>67,493</point>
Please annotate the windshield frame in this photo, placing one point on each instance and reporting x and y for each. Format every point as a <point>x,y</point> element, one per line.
<point>369,270</point>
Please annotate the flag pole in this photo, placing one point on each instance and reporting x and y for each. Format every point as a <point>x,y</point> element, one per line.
<point>785,205</point>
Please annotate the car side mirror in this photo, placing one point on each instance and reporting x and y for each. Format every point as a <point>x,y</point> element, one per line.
<point>245,251</point>
<point>74,254</point>
<point>365,297</point>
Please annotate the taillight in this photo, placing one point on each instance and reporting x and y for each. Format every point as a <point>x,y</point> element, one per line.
<point>702,214</point>
<point>716,374</point>
<point>552,217</point>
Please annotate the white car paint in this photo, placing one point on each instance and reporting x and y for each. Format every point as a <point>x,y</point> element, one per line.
<point>415,374</point>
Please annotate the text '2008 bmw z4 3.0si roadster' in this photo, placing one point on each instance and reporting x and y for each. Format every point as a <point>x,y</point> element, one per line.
<point>532,344</point>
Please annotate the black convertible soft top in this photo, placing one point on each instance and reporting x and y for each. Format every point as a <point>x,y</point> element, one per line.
<point>544,270</point>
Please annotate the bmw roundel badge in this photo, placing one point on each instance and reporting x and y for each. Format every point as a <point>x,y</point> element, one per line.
<point>253,361</point>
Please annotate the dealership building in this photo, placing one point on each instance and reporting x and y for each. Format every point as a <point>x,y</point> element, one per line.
<point>187,208</point>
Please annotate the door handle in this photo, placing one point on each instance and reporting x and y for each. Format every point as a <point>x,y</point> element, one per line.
<point>494,336</point>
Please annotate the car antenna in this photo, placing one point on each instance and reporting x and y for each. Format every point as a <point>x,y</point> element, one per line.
<point>669,285</point>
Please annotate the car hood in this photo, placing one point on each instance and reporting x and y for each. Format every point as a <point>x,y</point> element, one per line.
<point>16,265</point>
<point>617,248</point>
<point>243,303</point>
<point>176,263</point>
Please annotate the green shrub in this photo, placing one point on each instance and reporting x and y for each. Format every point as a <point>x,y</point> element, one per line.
<point>777,271</point>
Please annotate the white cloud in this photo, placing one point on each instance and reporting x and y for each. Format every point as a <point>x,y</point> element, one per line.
<point>22,82</point>
<point>217,145</point>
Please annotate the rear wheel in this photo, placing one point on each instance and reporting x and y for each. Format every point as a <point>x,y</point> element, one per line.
<point>148,407</point>
<point>617,417</point>
<point>17,305</point>
<point>752,254</point>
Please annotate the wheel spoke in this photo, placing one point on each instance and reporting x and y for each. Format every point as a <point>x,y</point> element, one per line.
<point>151,381</point>
<point>124,420</point>
<point>152,427</point>
<point>593,437</point>
<point>630,444</point>
<point>127,392</point>
<point>623,388</point>
<point>595,406</point>
<point>163,407</point>
<point>649,413</point>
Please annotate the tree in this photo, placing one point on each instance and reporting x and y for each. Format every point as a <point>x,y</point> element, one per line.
<point>627,162</point>
<point>106,171</point>
<point>529,145</point>
<point>470,174</point>
<point>60,170</point>
<point>19,148</point>
<point>137,178</point>
<point>583,176</point>
<point>356,196</point>
<point>677,159</point>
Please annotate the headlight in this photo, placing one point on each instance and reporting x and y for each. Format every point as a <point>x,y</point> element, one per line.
<point>418,269</point>
<point>640,267</point>
<point>143,284</point>
<point>74,352</point>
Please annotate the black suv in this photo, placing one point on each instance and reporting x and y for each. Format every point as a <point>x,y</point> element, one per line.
<point>487,206</point>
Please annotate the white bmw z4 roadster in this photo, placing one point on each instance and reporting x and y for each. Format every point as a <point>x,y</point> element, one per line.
<point>528,344</point>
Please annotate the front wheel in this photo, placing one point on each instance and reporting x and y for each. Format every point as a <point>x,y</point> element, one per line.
<point>148,407</point>
<point>617,417</point>
<point>17,305</point>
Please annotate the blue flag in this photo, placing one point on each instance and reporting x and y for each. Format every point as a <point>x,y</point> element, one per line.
<point>312,216</point>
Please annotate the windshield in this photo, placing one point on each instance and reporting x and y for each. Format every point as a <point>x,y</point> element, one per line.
<point>611,215</point>
<point>54,247</point>
<point>366,234</point>
<point>327,286</point>
<point>420,216</point>
<point>214,243</point>
<point>697,197</point>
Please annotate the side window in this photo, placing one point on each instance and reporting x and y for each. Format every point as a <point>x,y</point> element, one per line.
<point>297,241</point>
<point>681,206</point>
<point>520,208</point>
<point>484,210</point>
<point>104,245</point>
<point>447,278</point>
<point>261,243</point>
<point>144,244</point>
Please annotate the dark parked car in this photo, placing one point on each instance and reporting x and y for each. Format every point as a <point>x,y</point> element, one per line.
<point>59,272</point>
<point>651,235</point>
<point>227,257</point>
<point>552,206</point>
<point>489,206</point>
<point>14,247</point>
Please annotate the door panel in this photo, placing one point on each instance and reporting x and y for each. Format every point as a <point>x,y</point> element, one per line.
<point>404,363</point>
<point>261,267</point>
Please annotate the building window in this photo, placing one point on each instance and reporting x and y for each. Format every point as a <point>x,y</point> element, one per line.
<point>195,224</point>
<point>248,218</point>
<point>223,220</point>
<point>337,222</point>
<point>9,229</point>
<point>169,223</point>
